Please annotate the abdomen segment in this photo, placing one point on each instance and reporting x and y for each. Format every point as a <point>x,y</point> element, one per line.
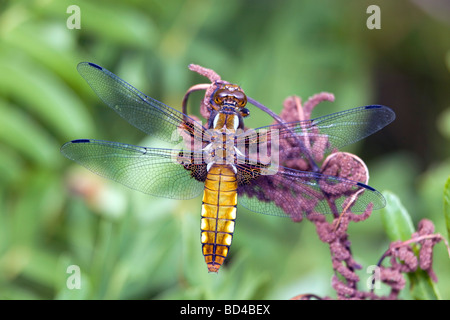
<point>218,214</point>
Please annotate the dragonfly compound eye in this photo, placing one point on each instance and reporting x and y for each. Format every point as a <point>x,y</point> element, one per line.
<point>241,99</point>
<point>230,94</point>
<point>220,96</point>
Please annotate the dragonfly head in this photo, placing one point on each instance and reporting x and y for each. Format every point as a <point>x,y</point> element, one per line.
<point>230,96</point>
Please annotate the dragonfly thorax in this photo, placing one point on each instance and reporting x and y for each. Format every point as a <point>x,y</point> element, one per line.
<point>228,103</point>
<point>222,148</point>
<point>226,121</point>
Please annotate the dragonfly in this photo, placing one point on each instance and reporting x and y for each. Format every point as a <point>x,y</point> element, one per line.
<point>223,160</point>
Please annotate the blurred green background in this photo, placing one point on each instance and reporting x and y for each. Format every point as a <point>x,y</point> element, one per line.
<point>54,213</point>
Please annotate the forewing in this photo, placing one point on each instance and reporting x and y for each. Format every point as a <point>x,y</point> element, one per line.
<point>145,113</point>
<point>329,132</point>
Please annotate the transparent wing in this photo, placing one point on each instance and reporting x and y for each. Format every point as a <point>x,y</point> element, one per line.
<point>145,113</point>
<point>331,131</point>
<point>293,193</point>
<point>157,172</point>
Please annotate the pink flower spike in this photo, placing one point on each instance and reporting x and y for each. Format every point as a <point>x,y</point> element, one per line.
<point>315,100</point>
<point>208,73</point>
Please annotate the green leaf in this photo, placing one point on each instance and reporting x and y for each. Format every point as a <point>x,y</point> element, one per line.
<point>53,48</point>
<point>443,123</point>
<point>44,96</point>
<point>398,225</point>
<point>447,206</point>
<point>11,165</point>
<point>396,219</point>
<point>422,286</point>
<point>26,136</point>
<point>116,22</point>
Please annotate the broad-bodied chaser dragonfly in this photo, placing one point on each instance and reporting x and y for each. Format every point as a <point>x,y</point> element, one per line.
<point>222,159</point>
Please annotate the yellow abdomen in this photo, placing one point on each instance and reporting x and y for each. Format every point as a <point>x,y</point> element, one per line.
<point>218,214</point>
